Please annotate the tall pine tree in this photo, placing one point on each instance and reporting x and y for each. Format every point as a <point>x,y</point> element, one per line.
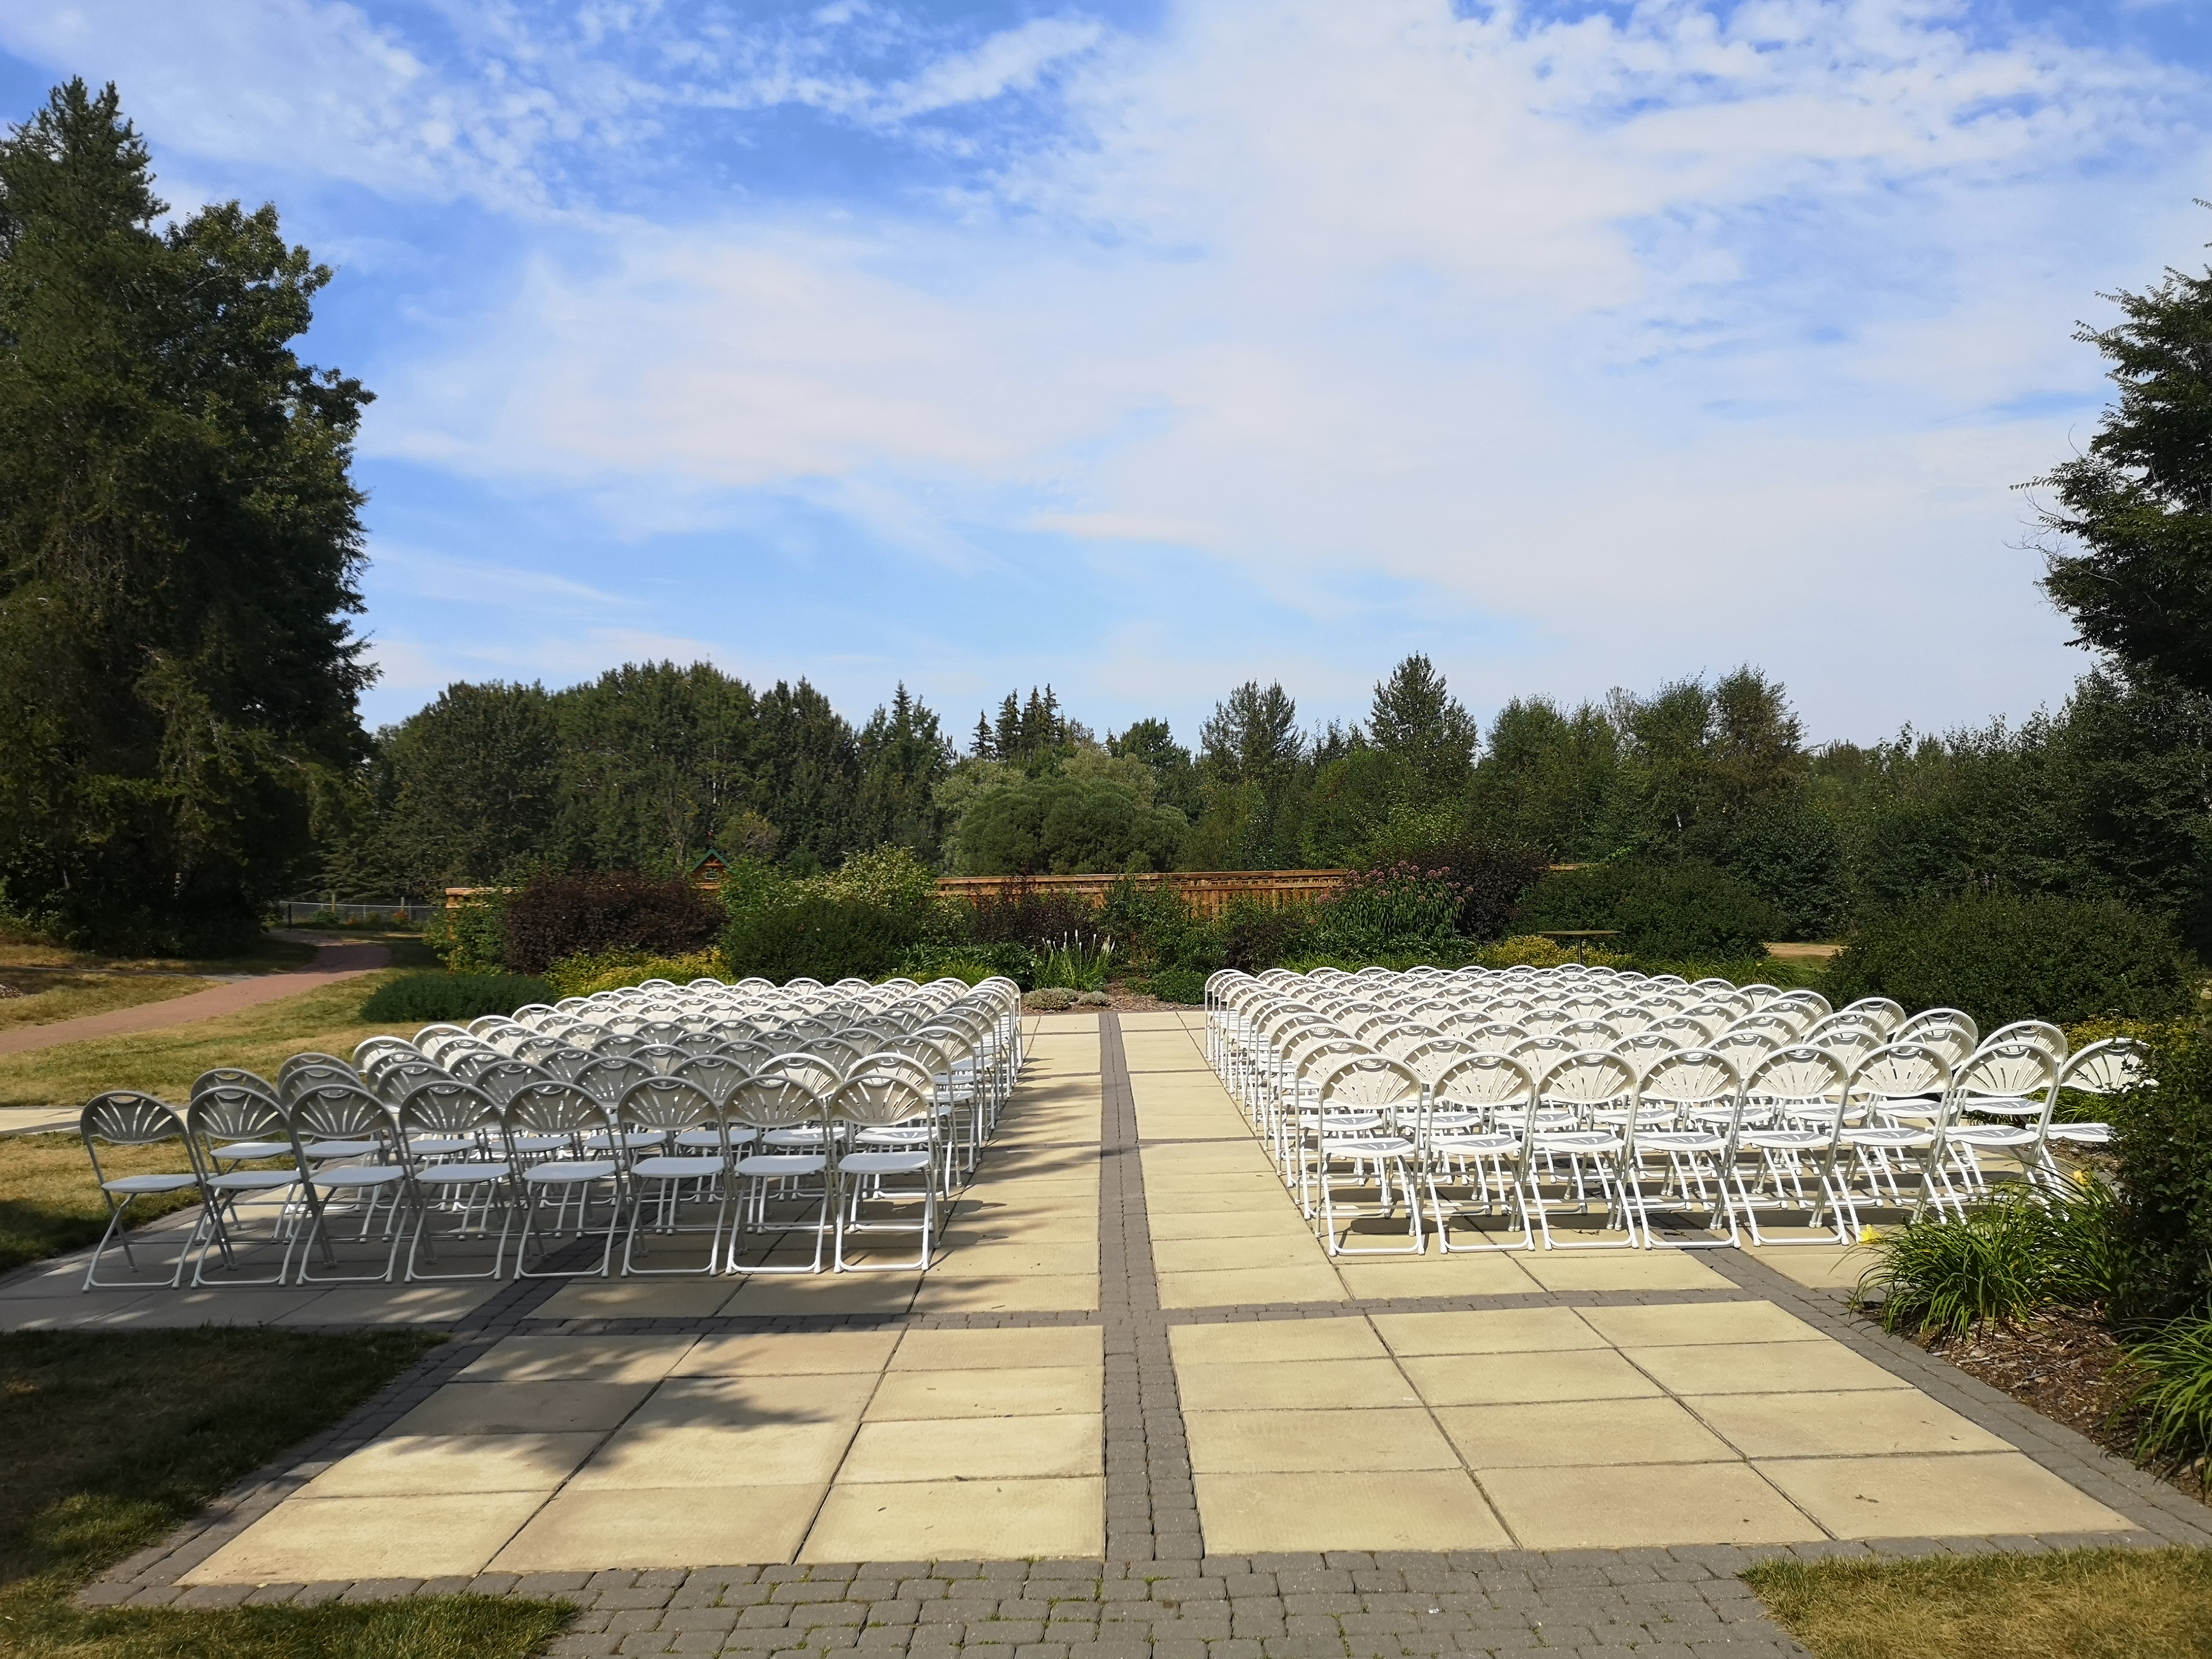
<point>179,542</point>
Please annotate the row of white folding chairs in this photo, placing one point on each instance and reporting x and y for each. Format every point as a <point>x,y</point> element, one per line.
<point>550,1153</point>
<point>1592,1123</point>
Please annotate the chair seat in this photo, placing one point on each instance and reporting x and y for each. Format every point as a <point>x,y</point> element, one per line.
<point>1576,1141</point>
<point>254,1181</point>
<point>677,1169</point>
<point>1782,1140</point>
<point>1358,1145</point>
<point>563,1171</point>
<point>150,1183</point>
<point>2003,1108</point>
<point>1993,1136</point>
<point>893,1137</point>
<point>2082,1134</point>
<point>630,1141</point>
<point>883,1163</point>
<point>1455,1143</point>
<point>441,1146</point>
<point>782,1163</point>
<point>239,1150</point>
<point>1903,1140</point>
<point>359,1174</point>
<point>806,1137</point>
<point>538,1143</point>
<point>696,1139</point>
<point>344,1149</point>
<point>1680,1140</point>
<point>458,1175</point>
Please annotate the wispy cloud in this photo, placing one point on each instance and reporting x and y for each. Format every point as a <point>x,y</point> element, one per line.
<point>1581,349</point>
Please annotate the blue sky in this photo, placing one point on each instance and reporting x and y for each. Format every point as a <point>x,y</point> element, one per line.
<point>1147,348</point>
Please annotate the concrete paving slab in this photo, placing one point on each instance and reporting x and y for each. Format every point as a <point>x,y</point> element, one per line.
<point>1686,1322</point>
<point>1251,1341</point>
<point>1611,1432</point>
<point>420,1535</point>
<point>1005,1391</point>
<point>1650,1506</point>
<point>1282,1382</point>
<point>1051,1346</point>
<point>1974,1495</point>
<point>524,1408</point>
<point>1501,1330</point>
<point>951,1520</point>
<point>1238,1286</point>
<point>1508,1379</point>
<point>579,1359</point>
<point>647,1454</point>
<point>788,1353</point>
<point>1313,1442</point>
<point>595,1531</point>
<point>997,1449</point>
<point>1817,1367</point>
<point>1407,1510</point>
<point>1867,1423</point>
<point>402,1464</point>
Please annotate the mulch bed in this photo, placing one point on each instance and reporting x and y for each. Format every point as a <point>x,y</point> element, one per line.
<point>2063,1365</point>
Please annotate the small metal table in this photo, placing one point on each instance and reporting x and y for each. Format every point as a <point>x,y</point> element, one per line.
<point>1581,936</point>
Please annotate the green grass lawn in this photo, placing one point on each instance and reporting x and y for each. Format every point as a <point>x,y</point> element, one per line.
<point>113,1438</point>
<point>49,1205</point>
<point>2077,1604</point>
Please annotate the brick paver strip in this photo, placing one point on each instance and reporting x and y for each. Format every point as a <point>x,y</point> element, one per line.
<point>332,962</point>
<point>1157,1596</point>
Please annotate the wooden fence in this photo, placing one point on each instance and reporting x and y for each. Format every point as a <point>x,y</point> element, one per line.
<point>1207,891</point>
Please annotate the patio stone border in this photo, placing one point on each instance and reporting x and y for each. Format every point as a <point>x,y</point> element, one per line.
<point>1157,1596</point>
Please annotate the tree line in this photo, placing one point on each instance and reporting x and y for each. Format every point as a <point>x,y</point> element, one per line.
<point>180,549</point>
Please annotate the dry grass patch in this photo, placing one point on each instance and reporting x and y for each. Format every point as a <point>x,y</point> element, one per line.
<point>2073,1604</point>
<point>112,1438</point>
<point>164,1062</point>
<point>50,994</point>
<point>49,1205</point>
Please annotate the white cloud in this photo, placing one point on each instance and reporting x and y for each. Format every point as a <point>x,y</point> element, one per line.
<point>1657,345</point>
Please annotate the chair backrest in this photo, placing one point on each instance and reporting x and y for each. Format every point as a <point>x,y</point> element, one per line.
<point>1928,1018</point>
<point>609,1077</point>
<point>1646,1048</point>
<point>1489,1080</point>
<point>1693,1076</point>
<point>1887,1016</point>
<point>1901,1071</point>
<point>1368,1082</point>
<point>1953,1042</point>
<point>1491,1036</point>
<point>303,1061</point>
<point>2040,1032</point>
<point>369,1050</point>
<point>1801,1075</point>
<point>2111,1067</point>
<point>1744,1046</point>
<point>229,1077</point>
<point>296,1080</point>
<point>554,1108</point>
<point>662,1059</point>
<point>1785,1027</point>
<point>501,1078</point>
<point>1692,1030</point>
<point>123,1117</point>
<point>713,1074</point>
<point>672,1103</point>
<point>394,1082</point>
<point>1541,1054</point>
<point>616,1044</point>
<point>339,1111</point>
<point>230,1114</point>
<point>883,1090</point>
<point>2005,1071</point>
<point>443,1107</point>
<point>1586,1077</point>
<point>1432,1057</point>
<point>1588,1033</point>
<point>780,1097</point>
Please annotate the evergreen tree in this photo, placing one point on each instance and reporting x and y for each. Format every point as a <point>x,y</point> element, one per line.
<point>180,543</point>
<point>902,754</point>
<point>2135,514</point>
<point>1424,730</point>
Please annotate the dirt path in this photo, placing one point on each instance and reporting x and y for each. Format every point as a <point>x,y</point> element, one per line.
<point>333,961</point>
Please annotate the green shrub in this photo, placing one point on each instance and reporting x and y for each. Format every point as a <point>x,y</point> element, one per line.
<point>1185,984</point>
<point>817,938</point>
<point>1079,963</point>
<point>972,962</point>
<point>2162,1158</point>
<point>1067,825</point>
<point>1397,907</point>
<point>2167,1380</point>
<point>1677,910</point>
<point>593,912</point>
<point>2002,957</point>
<point>1488,879</point>
<point>2010,1257</point>
<point>1252,936</point>
<point>430,997</point>
<point>470,937</point>
<point>581,976</point>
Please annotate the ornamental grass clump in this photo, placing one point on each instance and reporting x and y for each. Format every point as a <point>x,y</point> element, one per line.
<point>2008,1259</point>
<point>2168,1385</point>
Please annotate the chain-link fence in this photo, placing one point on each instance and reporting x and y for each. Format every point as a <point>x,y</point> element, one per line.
<point>310,913</point>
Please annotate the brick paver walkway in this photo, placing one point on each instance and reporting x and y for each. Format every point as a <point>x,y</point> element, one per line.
<point>1575,1454</point>
<point>332,962</point>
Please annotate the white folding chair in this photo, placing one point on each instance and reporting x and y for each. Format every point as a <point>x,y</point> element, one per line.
<point>121,1117</point>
